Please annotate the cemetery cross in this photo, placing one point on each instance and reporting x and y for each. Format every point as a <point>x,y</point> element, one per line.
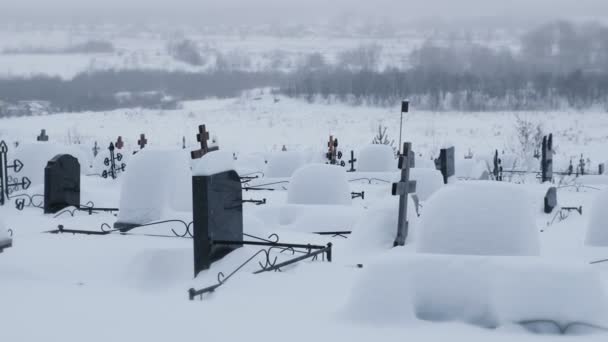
<point>404,187</point>
<point>42,136</point>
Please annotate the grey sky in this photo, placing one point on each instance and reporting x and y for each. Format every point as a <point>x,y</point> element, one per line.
<point>302,10</point>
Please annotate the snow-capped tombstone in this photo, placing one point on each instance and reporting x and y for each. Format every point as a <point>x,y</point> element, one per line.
<point>155,186</point>
<point>5,240</point>
<point>217,202</point>
<point>597,231</point>
<point>319,184</point>
<point>479,218</point>
<point>376,158</point>
<point>61,183</point>
<point>283,164</point>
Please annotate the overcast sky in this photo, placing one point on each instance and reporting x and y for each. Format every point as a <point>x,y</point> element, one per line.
<point>232,11</point>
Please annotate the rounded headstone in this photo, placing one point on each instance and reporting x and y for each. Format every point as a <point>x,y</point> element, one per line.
<point>376,158</point>
<point>479,218</point>
<point>319,184</point>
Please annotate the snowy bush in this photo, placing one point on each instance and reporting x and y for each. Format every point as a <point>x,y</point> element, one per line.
<point>479,218</point>
<point>597,231</point>
<point>151,190</point>
<point>319,184</point>
<point>376,158</point>
<point>283,164</point>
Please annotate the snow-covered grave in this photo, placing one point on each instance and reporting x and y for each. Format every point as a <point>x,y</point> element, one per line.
<point>279,169</point>
<point>157,185</point>
<point>597,228</point>
<point>318,200</point>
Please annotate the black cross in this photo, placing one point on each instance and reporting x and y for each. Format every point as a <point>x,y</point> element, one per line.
<point>201,137</point>
<point>119,143</point>
<point>95,149</point>
<point>402,189</point>
<point>142,141</point>
<point>5,187</point>
<point>42,136</point>
<point>352,161</point>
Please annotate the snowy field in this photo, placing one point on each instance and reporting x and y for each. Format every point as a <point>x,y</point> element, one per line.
<point>482,261</point>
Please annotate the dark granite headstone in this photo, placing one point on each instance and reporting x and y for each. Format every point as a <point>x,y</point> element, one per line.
<point>550,200</point>
<point>217,216</point>
<point>61,183</point>
<point>446,163</point>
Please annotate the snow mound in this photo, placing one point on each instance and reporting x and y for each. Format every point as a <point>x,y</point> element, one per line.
<point>213,163</point>
<point>479,218</point>
<point>484,291</point>
<point>284,164</point>
<point>156,183</point>
<point>319,184</point>
<point>470,168</point>
<point>597,231</point>
<point>428,181</point>
<point>35,156</point>
<point>376,158</point>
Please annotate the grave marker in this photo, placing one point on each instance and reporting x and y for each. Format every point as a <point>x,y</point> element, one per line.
<point>119,143</point>
<point>110,162</point>
<point>217,216</point>
<point>352,161</point>
<point>7,188</point>
<point>446,163</point>
<point>546,164</point>
<point>402,189</point>
<point>601,168</point>
<point>95,149</point>
<point>333,155</point>
<point>202,137</point>
<point>42,136</point>
<point>61,183</point>
<point>550,200</point>
<point>405,108</point>
<point>142,142</point>
<point>183,142</point>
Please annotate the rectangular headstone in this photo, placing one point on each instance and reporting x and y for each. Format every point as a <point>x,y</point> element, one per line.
<point>446,163</point>
<point>550,200</point>
<point>61,183</point>
<point>217,216</point>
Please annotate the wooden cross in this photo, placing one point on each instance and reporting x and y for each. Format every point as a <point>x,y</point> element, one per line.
<point>119,143</point>
<point>42,136</point>
<point>142,141</point>
<point>201,137</point>
<point>404,187</point>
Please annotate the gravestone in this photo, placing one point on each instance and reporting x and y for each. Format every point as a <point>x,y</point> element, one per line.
<point>217,216</point>
<point>42,136</point>
<point>601,169</point>
<point>61,183</point>
<point>446,163</point>
<point>402,189</point>
<point>333,155</point>
<point>546,165</point>
<point>550,200</point>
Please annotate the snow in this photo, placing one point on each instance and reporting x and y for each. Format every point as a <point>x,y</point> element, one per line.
<point>283,164</point>
<point>597,231</point>
<point>156,183</point>
<point>35,156</point>
<point>213,163</point>
<point>428,181</point>
<point>469,168</point>
<point>319,184</point>
<point>3,232</point>
<point>376,158</point>
<point>487,292</point>
<point>479,218</point>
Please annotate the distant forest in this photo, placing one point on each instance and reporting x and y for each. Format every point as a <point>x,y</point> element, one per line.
<point>559,65</point>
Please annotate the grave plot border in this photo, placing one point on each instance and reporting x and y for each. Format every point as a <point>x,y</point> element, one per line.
<point>311,252</point>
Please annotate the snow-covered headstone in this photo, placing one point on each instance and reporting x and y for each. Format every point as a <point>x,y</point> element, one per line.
<point>156,184</point>
<point>479,218</point>
<point>319,184</point>
<point>61,183</point>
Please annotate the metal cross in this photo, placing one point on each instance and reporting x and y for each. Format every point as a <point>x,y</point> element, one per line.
<point>352,161</point>
<point>42,136</point>
<point>142,141</point>
<point>95,150</point>
<point>202,137</point>
<point>404,187</point>
<point>119,143</point>
<point>5,187</point>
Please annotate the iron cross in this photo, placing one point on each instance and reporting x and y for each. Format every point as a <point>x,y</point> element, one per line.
<point>202,137</point>
<point>142,141</point>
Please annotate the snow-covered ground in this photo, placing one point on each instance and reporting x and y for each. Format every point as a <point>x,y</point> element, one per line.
<point>115,287</point>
